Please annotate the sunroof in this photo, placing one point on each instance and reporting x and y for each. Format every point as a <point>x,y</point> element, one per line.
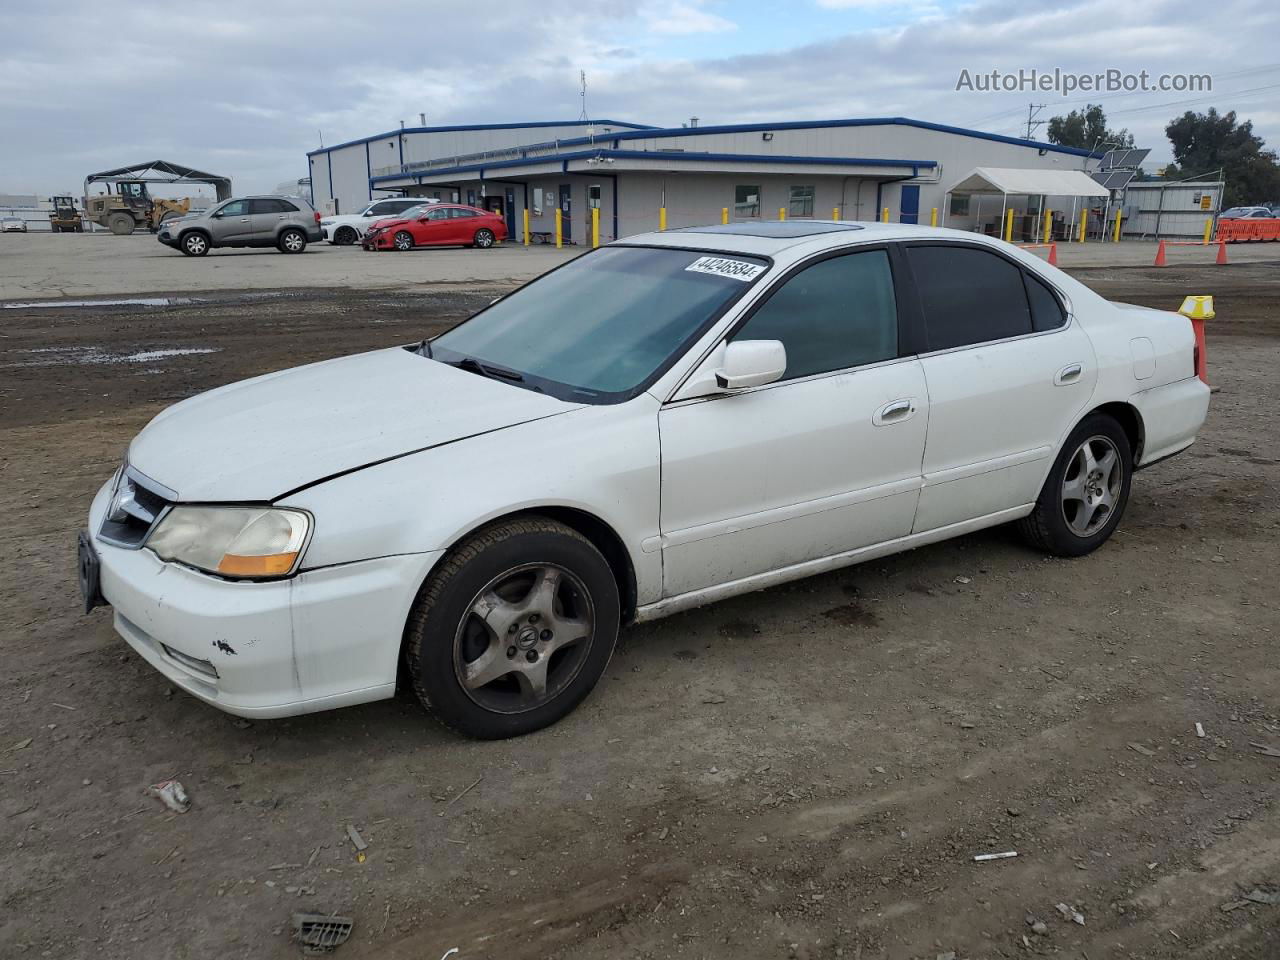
<point>780,229</point>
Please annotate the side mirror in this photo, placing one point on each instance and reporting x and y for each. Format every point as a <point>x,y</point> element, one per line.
<point>751,363</point>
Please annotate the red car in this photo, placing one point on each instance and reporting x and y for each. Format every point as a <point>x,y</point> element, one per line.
<point>437,225</point>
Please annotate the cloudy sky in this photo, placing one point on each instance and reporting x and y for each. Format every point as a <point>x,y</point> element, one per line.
<point>246,89</point>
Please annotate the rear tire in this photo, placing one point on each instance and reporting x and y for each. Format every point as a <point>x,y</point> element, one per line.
<point>121,224</point>
<point>484,238</point>
<point>513,629</point>
<point>345,236</point>
<point>194,244</point>
<point>292,241</point>
<point>1086,492</point>
<point>402,241</point>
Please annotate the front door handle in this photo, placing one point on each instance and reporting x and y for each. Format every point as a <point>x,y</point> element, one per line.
<point>1068,374</point>
<point>895,411</point>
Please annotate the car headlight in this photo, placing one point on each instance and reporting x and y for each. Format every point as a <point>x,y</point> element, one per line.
<point>253,542</point>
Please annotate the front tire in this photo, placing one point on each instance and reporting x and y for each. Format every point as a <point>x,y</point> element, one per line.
<point>293,241</point>
<point>1086,492</point>
<point>403,241</point>
<point>345,236</point>
<point>513,630</point>
<point>195,245</point>
<point>121,224</point>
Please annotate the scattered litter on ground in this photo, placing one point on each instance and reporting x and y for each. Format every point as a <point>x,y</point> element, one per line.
<point>171,793</point>
<point>964,580</point>
<point>465,790</point>
<point>356,839</point>
<point>22,744</point>
<point>1145,751</point>
<point>314,853</point>
<point>1200,730</point>
<point>60,705</point>
<point>1264,749</point>
<point>967,724</point>
<point>320,933</point>
<point>1006,855</point>
<point>1257,895</point>
<point>1071,913</point>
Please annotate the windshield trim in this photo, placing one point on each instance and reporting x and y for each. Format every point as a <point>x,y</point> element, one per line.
<point>572,393</point>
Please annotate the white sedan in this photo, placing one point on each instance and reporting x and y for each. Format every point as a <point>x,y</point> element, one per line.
<point>349,228</point>
<point>657,424</point>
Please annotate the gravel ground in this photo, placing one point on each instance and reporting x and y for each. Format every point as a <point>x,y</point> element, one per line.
<point>803,772</point>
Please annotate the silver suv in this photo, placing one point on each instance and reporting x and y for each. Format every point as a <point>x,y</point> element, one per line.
<point>286,223</point>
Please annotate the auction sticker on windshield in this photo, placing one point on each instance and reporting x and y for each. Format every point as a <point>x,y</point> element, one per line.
<point>724,267</point>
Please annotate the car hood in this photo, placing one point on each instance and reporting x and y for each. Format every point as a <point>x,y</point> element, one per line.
<point>386,222</point>
<point>261,438</point>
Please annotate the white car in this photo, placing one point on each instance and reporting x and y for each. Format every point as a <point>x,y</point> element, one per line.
<point>13,225</point>
<point>660,423</point>
<point>350,227</point>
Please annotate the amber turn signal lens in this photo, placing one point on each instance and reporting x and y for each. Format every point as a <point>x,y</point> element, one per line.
<point>272,566</point>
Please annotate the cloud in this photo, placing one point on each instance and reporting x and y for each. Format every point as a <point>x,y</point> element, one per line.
<point>248,92</point>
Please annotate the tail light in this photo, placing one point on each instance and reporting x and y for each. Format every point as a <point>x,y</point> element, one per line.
<point>317,213</point>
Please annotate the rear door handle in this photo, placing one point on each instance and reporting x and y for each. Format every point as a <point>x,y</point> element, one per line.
<point>895,411</point>
<point>1068,374</point>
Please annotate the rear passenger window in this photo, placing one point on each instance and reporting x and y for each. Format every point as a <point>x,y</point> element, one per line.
<point>839,313</point>
<point>272,206</point>
<point>1046,308</point>
<point>968,296</point>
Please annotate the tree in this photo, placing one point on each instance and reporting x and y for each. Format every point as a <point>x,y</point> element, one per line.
<point>1203,143</point>
<point>1087,130</point>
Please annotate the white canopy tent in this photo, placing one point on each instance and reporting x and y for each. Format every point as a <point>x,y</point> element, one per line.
<point>1017,182</point>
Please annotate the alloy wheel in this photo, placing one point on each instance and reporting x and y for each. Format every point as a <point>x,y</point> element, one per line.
<point>524,638</point>
<point>1091,486</point>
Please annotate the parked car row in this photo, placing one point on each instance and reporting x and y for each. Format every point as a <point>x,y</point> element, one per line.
<point>1251,213</point>
<point>290,223</point>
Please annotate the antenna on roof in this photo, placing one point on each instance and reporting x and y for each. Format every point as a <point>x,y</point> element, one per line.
<point>582,76</point>
<point>422,119</point>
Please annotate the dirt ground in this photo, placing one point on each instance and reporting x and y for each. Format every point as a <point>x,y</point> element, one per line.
<point>804,772</point>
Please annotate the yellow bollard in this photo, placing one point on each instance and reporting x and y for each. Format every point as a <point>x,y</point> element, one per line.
<point>595,227</point>
<point>1115,238</point>
<point>835,213</point>
<point>1008,227</point>
<point>662,218</point>
<point>1208,229</point>
<point>782,213</point>
<point>1084,223</point>
<point>559,231</point>
<point>724,214</point>
<point>884,215</point>
<point>933,217</point>
<point>1048,222</point>
<point>526,226</point>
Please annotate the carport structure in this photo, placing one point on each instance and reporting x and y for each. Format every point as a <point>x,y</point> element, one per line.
<point>1007,182</point>
<point>163,171</point>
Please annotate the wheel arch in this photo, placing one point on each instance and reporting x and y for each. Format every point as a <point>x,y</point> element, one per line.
<point>1130,420</point>
<point>200,230</point>
<point>601,535</point>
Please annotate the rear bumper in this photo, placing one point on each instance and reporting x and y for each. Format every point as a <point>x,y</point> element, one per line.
<point>1172,415</point>
<point>322,639</point>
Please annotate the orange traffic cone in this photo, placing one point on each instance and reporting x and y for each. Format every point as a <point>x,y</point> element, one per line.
<point>1222,253</point>
<point>1053,254</point>
<point>1159,256</point>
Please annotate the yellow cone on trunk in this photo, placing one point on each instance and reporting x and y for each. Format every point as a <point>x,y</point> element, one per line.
<point>1197,308</point>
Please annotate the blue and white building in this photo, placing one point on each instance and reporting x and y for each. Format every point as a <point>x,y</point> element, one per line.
<point>851,169</point>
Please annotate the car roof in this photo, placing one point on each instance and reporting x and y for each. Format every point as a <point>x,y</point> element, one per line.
<point>769,238</point>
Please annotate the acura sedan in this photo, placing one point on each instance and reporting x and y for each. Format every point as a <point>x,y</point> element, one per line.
<point>658,424</point>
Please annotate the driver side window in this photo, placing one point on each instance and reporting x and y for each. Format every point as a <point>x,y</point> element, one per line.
<point>838,313</point>
<point>236,208</point>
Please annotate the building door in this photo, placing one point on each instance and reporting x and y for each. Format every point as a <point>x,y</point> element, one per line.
<point>909,209</point>
<point>566,211</point>
<point>471,198</point>
<point>511,212</point>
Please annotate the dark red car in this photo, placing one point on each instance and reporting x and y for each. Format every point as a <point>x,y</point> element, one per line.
<point>437,225</point>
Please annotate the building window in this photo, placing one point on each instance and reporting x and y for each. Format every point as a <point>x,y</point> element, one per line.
<point>959,205</point>
<point>801,202</point>
<point>593,195</point>
<point>746,202</point>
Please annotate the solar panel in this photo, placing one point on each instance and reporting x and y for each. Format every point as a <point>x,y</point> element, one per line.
<point>1114,179</point>
<point>1123,157</point>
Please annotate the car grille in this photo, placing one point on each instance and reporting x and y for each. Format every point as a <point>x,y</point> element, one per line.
<point>137,504</point>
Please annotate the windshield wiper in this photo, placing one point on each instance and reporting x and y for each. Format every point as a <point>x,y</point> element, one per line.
<point>472,365</point>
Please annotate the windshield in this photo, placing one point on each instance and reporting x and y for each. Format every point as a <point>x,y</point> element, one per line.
<point>602,327</point>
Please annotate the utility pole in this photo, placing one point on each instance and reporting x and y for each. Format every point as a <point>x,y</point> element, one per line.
<point>1033,111</point>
